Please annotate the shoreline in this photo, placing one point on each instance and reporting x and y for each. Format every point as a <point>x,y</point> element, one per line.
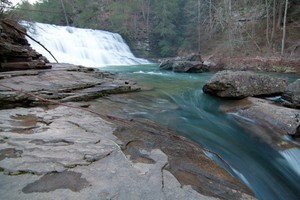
<point>45,144</point>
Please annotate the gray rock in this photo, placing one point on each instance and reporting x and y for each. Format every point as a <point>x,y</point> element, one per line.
<point>63,83</point>
<point>189,67</point>
<point>73,154</point>
<point>292,94</point>
<point>285,121</point>
<point>240,84</point>
<point>189,64</point>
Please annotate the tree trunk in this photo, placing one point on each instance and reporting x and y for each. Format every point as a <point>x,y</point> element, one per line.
<point>274,21</point>
<point>267,30</point>
<point>65,13</point>
<point>280,13</point>
<point>199,27</point>
<point>230,26</point>
<point>284,27</point>
<point>210,18</point>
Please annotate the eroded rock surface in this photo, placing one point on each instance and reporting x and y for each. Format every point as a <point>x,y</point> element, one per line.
<point>241,84</point>
<point>63,82</point>
<point>73,154</point>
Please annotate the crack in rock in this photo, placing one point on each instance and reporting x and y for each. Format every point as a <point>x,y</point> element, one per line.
<point>162,176</point>
<point>57,142</point>
<point>94,158</point>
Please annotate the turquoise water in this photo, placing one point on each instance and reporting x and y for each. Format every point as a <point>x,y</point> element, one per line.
<point>178,102</point>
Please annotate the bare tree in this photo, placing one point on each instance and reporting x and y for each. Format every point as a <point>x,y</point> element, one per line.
<point>199,27</point>
<point>274,21</point>
<point>268,18</point>
<point>284,27</point>
<point>280,13</point>
<point>65,13</point>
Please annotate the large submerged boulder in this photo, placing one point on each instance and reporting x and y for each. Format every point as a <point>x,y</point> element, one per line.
<point>241,84</point>
<point>292,94</point>
<point>188,64</point>
<point>266,116</point>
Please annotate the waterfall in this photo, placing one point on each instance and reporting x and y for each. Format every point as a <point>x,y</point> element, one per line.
<point>87,47</point>
<point>292,157</point>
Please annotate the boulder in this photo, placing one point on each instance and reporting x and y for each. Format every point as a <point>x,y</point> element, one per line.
<point>189,67</point>
<point>188,64</point>
<point>292,94</point>
<point>241,84</point>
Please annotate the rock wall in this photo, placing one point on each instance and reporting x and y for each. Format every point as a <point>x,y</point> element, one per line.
<point>15,51</point>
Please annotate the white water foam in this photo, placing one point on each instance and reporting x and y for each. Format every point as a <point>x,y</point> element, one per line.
<point>150,73</point>
<point>292,156</point>
<point>87,47</point>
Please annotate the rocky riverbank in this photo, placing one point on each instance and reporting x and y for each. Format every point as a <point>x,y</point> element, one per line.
<point>52,147</point>
<point>242,88</point>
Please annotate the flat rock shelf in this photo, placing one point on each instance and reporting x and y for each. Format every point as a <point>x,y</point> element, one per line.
<point>53,145</point>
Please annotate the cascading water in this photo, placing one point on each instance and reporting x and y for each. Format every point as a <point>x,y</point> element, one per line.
<point>87,47</point>
<point>178,102</point>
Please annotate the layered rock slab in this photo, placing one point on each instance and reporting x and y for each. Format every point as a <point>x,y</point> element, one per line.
<point>63,83</point>
<point>79,148</point>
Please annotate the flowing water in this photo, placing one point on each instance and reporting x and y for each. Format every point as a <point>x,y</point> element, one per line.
<point>177,101</point>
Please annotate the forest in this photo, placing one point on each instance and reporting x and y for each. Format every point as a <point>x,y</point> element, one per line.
<point>164,28</point>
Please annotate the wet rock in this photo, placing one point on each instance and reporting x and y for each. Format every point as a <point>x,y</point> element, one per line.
<point>189,64</point>
<point>297,133</point>
<point>186,161</point>
<point>241,84</point>
<point>78,157</point>
<point>292,94</point>
<point>269,116</point>
<point>63,83</point>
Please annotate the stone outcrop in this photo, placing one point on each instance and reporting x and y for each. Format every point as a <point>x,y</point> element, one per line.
<point>292,94</point>
<point>63,83</point>
<point>189,64</point>
<point>15,51</point>
<point>240,84</point>
<point>73,154</point>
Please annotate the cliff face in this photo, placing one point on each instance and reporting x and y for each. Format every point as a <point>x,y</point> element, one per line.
<point>15,51</point>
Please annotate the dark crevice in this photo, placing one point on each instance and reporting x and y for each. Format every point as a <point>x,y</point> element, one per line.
<point>162,176</point>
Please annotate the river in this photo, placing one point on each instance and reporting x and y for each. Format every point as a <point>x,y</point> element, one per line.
<point>177,101</point>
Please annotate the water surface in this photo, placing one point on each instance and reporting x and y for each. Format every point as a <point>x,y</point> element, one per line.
<point>177,101</point>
